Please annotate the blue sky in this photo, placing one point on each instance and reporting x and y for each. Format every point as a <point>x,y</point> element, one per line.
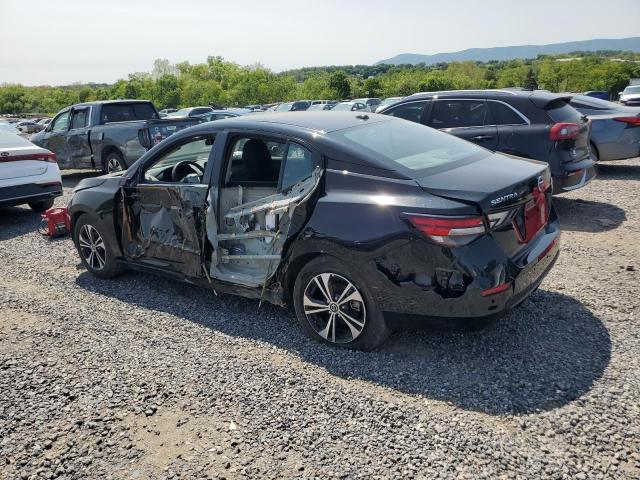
<point>65,41</point>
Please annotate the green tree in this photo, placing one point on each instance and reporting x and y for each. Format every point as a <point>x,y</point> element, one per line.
<point>339,85</point>
<point>531,82</point>
<point>167,91</point>
<point>372,87</point>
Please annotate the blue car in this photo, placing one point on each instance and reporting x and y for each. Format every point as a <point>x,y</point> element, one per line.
<point>601,94</point>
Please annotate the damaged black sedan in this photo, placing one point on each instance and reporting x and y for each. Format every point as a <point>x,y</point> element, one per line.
<point>357,220</point>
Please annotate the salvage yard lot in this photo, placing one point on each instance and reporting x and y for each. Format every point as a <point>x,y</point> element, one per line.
<point>142,377</point>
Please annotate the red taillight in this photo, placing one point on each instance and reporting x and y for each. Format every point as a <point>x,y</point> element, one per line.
<point>43,157</point>
<point>630,121</point>
<point>564,131</point>
<point>449,231</point>
<point>492,291</point>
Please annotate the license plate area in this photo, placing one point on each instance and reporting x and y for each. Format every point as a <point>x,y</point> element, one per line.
<point>532,217</point>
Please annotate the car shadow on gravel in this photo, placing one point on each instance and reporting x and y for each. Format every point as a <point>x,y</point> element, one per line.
<point>542,355</point>
<point>578,215</point>
<point>17,221</point>
<point>613,171</point>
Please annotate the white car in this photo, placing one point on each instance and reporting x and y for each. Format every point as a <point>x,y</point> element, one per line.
<point>630,96</point>
<point>386,102</point>
<point>350,107</point>
<point>28,174</point>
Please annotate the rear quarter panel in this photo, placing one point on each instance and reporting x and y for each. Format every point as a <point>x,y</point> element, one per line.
<point>121,135</point>
<point>358,220</point>
<point>613,139</point>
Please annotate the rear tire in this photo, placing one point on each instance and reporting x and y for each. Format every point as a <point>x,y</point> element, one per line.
<point>113,163</point>
<point>42,205</point>
<point>96,254</point>
<point>334,306</point>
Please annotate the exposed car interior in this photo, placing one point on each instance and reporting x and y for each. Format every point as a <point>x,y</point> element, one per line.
<point>263,182</point>
<point>182,164</point>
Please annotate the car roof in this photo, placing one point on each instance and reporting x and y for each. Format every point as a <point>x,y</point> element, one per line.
<point>313,121</point>
<point>539,97</point>
<point>107,102</point>
<point>314,127</point>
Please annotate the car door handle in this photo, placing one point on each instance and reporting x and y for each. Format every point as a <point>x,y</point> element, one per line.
<point>480,138</point>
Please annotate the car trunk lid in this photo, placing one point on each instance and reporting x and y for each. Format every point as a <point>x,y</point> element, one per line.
<point>19,160</point>
<point>512,195</point>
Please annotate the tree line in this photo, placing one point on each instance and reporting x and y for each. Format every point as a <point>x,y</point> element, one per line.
<point>223,83</point>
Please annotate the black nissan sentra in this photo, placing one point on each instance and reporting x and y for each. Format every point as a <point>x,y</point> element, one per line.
<point>358,220</point>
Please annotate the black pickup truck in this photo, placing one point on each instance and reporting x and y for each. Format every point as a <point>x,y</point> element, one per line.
<point>107,135</point>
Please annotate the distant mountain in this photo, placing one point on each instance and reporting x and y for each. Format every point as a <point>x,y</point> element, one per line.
<point>522,51</point>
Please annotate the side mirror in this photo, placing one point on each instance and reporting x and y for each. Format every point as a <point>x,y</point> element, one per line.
<point>620,93</point>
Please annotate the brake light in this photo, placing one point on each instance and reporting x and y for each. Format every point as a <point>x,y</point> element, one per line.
<point>630,121</point>
<point>43,157</point>
<point>449,231</point>
<point>564,131</point>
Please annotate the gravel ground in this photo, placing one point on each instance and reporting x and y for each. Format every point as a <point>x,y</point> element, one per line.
<point>141,377</point>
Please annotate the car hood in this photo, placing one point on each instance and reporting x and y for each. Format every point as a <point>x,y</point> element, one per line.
<point>630,96</point>
<point>93,182</point>
<point>495,180</point>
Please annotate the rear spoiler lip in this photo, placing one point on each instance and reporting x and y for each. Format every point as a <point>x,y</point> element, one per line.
<point>543,101</point>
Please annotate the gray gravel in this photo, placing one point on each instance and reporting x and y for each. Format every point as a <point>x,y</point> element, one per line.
<point>141,377</point>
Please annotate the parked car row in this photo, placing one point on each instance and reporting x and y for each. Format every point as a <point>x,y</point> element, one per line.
<point>569,132</point>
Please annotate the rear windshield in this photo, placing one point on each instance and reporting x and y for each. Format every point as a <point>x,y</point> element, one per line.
<point>126,112</point>
<point>560,111</point>
<point>409,145</point>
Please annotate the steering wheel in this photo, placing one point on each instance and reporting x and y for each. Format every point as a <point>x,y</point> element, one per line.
<point>181,170</point>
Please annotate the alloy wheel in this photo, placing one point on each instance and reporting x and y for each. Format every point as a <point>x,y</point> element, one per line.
<point>334,308</point>
<point>114,165</point>
<point>92,247</point>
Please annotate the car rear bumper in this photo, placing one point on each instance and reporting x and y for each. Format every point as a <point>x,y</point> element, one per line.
<point>29,192</point>
<point>579,175</point>
<point>480,267</point>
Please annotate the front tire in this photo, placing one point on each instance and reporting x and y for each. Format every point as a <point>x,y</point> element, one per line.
<point>41,206</point>
<point>96,254</point>
<point>334,306</point>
